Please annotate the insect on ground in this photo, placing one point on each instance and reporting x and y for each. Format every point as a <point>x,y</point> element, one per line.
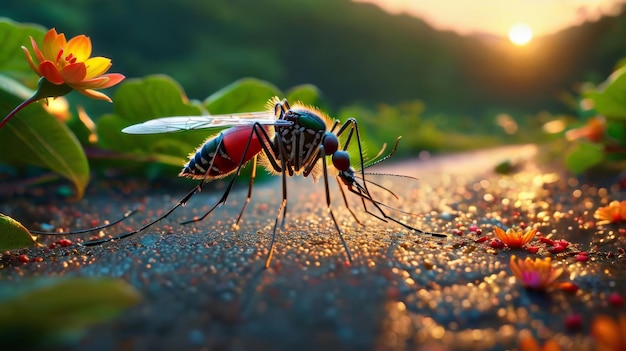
<point>287,140</point>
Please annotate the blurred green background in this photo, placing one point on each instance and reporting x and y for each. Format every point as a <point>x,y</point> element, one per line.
<point>441,90</point>
<point>352,52</point>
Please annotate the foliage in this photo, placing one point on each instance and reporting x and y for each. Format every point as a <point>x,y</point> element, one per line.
<point>36,137</point>
<point>54,310</point>
<point>139,100</point>
<point>351,51</point>
<point>14,235</point>
<point>602,140</point>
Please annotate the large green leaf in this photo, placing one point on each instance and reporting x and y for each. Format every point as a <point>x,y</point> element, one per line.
<point>35,137</point>
<point>38,310</point>
<point>305,93</point>
<point>611,100</point>
<point>139,100</point>
<point>584,156</point>
<point>244,95</point>
<point>12,37</point>
<point>13,235</point>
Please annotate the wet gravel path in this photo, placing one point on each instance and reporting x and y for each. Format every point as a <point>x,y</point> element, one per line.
<point>204,286</point>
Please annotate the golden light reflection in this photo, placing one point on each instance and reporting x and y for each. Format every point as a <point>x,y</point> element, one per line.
<point>520,34</point>
<point>59,108</point>
<point>494,17</point>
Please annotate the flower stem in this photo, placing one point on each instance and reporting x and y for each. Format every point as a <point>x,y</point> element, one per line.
<point>45,89</point>
<point>16,110</point>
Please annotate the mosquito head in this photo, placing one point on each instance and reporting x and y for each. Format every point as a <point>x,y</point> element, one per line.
<point>341,161</point>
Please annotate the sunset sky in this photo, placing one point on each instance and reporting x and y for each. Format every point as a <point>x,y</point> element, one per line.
<point>498,16</point>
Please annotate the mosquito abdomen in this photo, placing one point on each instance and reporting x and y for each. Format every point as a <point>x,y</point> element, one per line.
<point>221,154</point>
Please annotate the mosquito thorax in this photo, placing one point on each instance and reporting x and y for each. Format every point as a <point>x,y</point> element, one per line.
<point>306,118</point>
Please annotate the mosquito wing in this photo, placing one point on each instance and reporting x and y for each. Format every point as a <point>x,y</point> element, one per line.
<point>178,123</point>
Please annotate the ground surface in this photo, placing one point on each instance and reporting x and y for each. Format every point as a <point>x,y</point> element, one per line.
<point>204,286</point>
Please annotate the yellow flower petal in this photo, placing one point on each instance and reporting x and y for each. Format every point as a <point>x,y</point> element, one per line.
<point>97,66</point>
<point>79,47</point>
<point>53,43</point>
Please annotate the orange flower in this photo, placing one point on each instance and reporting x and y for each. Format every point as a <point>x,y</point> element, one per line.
<point>593,130</point>
<point>515,239</point>
<point>65,66</point>
<point>528,343</point>
<point>613,213</point>
<point>609,334</point>
<point>538,274</point>
<point>68,62</point>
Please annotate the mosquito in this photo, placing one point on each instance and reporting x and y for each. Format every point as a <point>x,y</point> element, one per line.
<point>286,140</point>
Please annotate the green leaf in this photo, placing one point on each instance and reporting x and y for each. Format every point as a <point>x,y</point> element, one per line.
<point>35,137</point>
<point>584,156</point>
<point>13,235</point>
<point>244,95</point>
<point>307,94</point>
<point>616,130</point>
<point>42,308</point>
<point>611,100</point>
<point>14,36</point>
<point>139,100</point>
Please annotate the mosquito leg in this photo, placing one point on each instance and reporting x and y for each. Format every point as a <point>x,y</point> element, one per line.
<point>387,217</point>
<point>354,128</point>
<point>328,204</point>
<point>283,203</point>
<point>126,215</point>
<point>125,235</point>
<point>345,201</point>
<point>245,204</point>
<point>222,200</point>
<point>217,204</point>
<point>282,223</point>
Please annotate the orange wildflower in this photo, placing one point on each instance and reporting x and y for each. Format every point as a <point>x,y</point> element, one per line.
<point>610,335</point>
<point>528,343</point>
<point>538,274</point>
<point>612,213</point>
<point>69,62</point>
<point>65,66</point>
<point>593,131</point>
<point>515,239</point>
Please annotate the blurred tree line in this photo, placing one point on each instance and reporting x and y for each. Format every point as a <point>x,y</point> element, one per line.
<point>352,52</point>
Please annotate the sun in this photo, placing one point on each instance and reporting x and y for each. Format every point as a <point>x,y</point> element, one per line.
<point>520,34</point>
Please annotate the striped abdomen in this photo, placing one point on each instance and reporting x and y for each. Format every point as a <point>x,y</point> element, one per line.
<point>221,154</point>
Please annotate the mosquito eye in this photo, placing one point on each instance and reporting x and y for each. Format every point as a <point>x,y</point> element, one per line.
<point>341,160</point>
<point>331,143</point>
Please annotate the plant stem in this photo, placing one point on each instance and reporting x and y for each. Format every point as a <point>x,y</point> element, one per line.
<point>16,110</point>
